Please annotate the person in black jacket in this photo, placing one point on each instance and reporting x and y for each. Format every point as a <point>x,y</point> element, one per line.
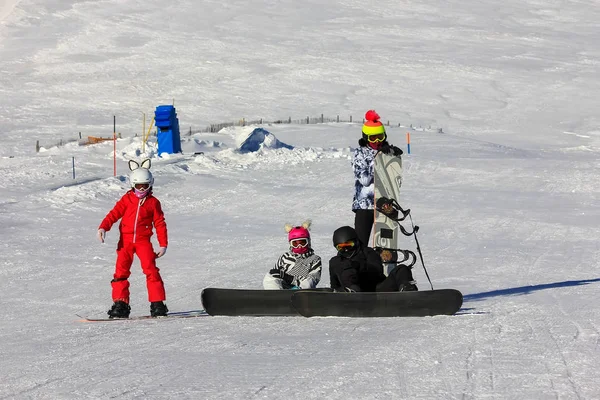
<point>358,268</point>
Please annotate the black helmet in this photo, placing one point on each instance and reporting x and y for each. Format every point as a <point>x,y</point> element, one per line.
<point>343,235</point>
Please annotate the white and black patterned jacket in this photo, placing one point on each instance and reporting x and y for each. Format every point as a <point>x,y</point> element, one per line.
<point>303,269</point>
<point>363,163</point>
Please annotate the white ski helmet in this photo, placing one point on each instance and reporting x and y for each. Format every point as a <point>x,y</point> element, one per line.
<point>141,176</point>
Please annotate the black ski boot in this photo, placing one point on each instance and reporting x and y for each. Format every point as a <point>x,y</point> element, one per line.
<point>119,309</point>
<point>158,309</point>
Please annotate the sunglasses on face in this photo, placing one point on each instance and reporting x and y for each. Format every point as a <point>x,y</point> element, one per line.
<point>345,246</point>
<point>298,243</point>
<point>142,186</point>
<point>376,138</point>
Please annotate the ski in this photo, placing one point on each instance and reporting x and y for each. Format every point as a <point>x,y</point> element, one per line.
<point>378,304</point>
<point>171,315</point>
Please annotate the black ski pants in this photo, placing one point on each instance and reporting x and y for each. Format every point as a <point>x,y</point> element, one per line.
<point>363,224</point>
<point>399,275</point>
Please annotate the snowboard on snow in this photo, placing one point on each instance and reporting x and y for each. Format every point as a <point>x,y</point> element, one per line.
<point>238,302</point>
<point>171,315</point>
<point>387,183</point>
<point>378,304</point>
<point>325,303</point>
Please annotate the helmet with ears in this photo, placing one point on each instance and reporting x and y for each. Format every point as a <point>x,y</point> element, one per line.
<point>299,232</point>
<point>141,175</point>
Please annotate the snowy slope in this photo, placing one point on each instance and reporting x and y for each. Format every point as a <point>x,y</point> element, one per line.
<point>506,198</point>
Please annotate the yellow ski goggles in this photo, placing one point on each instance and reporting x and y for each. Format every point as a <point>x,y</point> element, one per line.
<point>380,137</point>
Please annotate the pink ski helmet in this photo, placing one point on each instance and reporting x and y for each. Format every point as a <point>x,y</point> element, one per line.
<point>299,237</point>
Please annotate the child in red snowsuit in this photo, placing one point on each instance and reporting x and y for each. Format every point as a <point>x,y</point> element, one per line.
<point>138,211</point>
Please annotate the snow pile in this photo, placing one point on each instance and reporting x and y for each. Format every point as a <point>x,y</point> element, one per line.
<point>252,139</point>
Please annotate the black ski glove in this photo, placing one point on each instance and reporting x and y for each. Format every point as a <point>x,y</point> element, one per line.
<point>278,273</point>
<point>391,149</point>
<point>287,278</point>
<point>275,272</point>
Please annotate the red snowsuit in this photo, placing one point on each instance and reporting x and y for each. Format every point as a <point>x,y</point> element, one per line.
<point>137,218</point>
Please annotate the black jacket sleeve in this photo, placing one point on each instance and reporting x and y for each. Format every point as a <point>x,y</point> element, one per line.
<point>350,278</point>
<point>374,263</point>
<point>343,274</point>
<point>334,281</point>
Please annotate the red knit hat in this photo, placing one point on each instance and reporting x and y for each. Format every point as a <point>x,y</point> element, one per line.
<point>373,126</point>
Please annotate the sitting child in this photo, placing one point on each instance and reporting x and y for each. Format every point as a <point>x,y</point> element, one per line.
<point>298,268</point>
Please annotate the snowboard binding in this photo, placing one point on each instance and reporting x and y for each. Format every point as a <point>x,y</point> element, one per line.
<point>391,256</point>
<point>391,209</point>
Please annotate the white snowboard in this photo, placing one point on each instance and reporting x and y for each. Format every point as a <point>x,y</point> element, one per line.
<point>388,180</point>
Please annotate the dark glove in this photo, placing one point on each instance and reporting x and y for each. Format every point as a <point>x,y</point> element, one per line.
<point>390,149</point>
<point>278,273</point>
<point>287,278</point>
<point>275,272</point>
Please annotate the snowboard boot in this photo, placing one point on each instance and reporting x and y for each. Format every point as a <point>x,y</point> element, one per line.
<point>408,287</point>
<point>158,309</point>
<point>119,309</point>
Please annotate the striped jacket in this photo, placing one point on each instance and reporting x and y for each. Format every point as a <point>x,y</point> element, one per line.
<point>305,268</point>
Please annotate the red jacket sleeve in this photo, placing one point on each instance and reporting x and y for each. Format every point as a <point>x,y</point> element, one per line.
<point>160,225</point>
<point>114,215</point>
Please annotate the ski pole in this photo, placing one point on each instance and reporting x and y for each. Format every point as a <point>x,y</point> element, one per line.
<point>391,208</point>
<point>406,213</point>
<point>415,229</point>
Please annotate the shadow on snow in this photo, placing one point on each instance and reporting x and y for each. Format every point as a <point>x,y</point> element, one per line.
<point>525,289</point>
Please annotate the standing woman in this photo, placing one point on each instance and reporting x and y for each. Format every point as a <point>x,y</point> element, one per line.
<point>373,140</point>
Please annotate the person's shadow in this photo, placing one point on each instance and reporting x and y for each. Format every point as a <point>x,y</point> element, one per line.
<point>519,291</point>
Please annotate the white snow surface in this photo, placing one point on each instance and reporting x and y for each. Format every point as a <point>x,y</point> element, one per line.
<point>506,198</point>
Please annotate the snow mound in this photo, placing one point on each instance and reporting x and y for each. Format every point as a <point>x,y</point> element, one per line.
<point>209,143</point>
<point>132,148</point>
<point>251,139</point>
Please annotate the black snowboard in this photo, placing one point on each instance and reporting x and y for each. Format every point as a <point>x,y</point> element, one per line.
<point>237,302</point>
<point>378,304</point>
